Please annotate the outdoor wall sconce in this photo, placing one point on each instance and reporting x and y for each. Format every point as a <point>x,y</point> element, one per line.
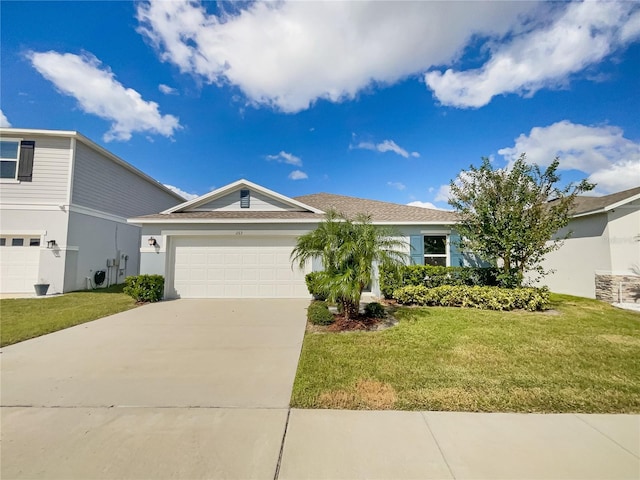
<point>51,243</point>
<point>153,242</point>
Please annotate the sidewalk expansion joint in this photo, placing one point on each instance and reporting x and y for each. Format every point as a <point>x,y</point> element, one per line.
<point>606,436</point>
<point>284,436</point>
<point>426,422</point>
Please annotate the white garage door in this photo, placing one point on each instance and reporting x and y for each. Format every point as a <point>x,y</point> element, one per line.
<point>18,269</point>
<point>236,267</point>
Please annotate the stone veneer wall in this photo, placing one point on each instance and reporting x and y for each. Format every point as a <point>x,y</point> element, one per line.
<point>618,288</point>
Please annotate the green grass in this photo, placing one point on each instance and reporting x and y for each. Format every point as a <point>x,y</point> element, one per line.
<point>582,357</point>
<point>24,318</point>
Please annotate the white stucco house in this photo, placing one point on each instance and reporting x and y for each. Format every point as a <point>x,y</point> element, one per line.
<point>601,259</point>
<point>236,241</point>
<point>64,204</point>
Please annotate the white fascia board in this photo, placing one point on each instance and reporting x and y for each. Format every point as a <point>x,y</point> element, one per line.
<point>141,221</point>
<point>207,197</point>
<point>590,212</point>
<point>91,144</point>
<point>622,202</point>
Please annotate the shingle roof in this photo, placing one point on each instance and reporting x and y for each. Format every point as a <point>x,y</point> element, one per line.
<point>241,215</point>
<point>586,204</point>
<point>379,211</point>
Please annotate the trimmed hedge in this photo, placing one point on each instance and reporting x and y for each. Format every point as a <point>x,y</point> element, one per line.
<point>318,313</point>
<point>313,285</point>
<point>487,298</point>
<point>144,288</point>
<point>432,276</point>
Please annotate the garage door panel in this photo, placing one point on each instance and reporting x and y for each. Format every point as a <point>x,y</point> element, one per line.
<point>19,267</point>
<point>231,267</point>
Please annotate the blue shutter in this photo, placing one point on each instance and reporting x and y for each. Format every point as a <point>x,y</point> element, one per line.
<point>417,249</point>
<point>456,256</point>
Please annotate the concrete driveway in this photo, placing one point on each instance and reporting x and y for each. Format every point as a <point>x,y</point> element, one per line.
<point>179,389</point>
<point>181,353</point>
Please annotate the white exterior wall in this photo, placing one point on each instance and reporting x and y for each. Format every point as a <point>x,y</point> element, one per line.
<point>576,262</point>
<point>101,184</point>
<point>49,224</point>
<point>96,240</point>
<point>624,237</point>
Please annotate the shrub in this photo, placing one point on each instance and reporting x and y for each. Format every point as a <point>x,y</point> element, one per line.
<point>487,298</point>
<point>313,285</point>
<point>374,310</point>
<point>144,288</point>
<point>433,276</point>
<point>318,313</point>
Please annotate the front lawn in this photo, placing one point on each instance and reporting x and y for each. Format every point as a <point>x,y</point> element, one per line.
<point>583,356</point>
<point>24,318</point>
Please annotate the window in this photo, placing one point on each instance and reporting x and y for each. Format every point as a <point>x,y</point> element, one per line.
<point>3,242</point>
<point>244,198</point>
<point>435,250</point>
<point>17,242</point>
<point>16,159</point>
<point>34,242</point>
<point>9,150</point>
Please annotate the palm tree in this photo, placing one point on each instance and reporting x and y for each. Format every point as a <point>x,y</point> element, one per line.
<point>348,248</point>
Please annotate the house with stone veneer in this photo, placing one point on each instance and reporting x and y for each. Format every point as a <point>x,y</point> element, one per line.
<point>601,259</point>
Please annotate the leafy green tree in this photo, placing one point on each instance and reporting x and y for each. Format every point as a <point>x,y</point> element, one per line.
<point>348,248</point>
<point>511,217</point>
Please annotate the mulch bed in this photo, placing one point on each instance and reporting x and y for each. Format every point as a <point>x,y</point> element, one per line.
<point>359,323</point>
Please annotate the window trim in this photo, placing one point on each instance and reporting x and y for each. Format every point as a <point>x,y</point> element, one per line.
<point>17,160</point>
<point>447,250</point>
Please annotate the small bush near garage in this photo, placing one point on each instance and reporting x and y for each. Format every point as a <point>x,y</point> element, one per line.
<point>374,310</point>
<point>486,298</point>
<point>318,313</point>
<point>145,288</point>
<point>313,285</point>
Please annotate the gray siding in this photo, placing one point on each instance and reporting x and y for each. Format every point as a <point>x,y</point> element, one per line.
<point>50,174</point>
<point>258,202</point>
<point>102,184</point>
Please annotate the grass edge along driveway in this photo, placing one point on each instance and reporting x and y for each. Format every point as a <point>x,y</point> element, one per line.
<point>25,318</point>
<point>582,356</point>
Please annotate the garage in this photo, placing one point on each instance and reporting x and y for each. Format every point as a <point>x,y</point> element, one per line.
<point>19,264</point>
<point>236,267</point>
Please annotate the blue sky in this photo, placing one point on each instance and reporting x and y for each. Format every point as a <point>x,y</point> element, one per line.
<point>381,100</point>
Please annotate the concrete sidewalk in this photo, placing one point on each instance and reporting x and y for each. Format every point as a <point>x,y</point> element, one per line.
<point>223,443</point>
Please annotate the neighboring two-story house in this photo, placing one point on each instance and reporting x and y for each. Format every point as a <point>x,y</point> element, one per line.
<point>64,204</point>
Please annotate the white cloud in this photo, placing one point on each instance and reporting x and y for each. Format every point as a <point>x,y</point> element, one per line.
<point>182,193</point>
<point>98,92</point>
<point>443,194</point>
<point>384,146</point>
<point>417,203</point>
<point>288,54</point>
<point>298,175</point>
<point>397,185</point>
<point>167,90</point>
<point>284,157</point>
<point>4,122</point>
<point>581,35</point>
<point>602,152</point>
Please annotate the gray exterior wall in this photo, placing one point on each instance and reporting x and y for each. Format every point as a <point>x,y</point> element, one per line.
<point>51,162</point>
<point>102,184</point>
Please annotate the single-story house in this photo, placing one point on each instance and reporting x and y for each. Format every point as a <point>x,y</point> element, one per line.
<point>236,241</point>
<point>64,204</point>
<point>601,259</point>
